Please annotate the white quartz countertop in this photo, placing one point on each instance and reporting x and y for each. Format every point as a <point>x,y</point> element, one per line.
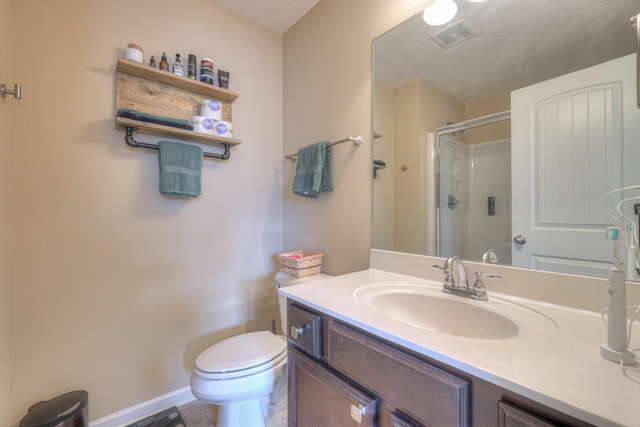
<point>563,370</point>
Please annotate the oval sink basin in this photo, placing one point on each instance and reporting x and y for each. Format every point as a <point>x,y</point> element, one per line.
<point>427,307</point>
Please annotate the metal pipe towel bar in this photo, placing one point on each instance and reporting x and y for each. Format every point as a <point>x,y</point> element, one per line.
<point>357,140</point>
<point>133,143</point>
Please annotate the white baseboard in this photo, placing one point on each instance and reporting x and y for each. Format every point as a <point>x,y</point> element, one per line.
<point>129,415</point>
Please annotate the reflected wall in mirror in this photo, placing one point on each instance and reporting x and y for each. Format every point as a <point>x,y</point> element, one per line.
<point>498,133</point>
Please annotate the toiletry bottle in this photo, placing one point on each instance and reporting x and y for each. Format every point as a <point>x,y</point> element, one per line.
<point>223,77</point>
<point>177,66</point>
<point>152,62</point>
<point>192,66</point>
<point>164,65</point>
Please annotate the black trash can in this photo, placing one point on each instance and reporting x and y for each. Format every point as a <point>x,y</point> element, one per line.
<point>68,410</point>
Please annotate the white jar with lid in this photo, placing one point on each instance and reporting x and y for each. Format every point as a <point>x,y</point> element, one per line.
<point>211,108</point>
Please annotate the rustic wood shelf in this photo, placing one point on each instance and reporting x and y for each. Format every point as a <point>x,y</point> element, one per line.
<point>149,90</point>
<point>170,132</point>
<point>153,74</point>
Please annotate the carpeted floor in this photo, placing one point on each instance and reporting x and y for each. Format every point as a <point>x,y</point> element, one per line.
<point>199,414</point>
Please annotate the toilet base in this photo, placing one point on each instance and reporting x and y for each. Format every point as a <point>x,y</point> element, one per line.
<point>241,414</point>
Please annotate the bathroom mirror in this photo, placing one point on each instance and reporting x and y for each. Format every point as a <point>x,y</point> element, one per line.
<point>497,133</point>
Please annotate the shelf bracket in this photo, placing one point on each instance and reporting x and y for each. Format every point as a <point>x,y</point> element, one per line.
<point>128,138</point>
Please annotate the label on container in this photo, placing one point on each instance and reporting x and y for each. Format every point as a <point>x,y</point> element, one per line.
<point>206,63</point>
<point>207,124</point>
<point>221,128</point>
<point>214,105</point>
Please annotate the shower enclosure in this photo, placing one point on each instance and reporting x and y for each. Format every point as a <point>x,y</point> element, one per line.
<point>472,189</point>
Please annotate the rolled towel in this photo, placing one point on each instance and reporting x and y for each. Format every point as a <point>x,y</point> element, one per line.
<point>128,113</point>
<point>180,169</point>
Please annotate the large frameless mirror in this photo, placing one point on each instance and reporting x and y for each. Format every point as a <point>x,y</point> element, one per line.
<point>498,133</point>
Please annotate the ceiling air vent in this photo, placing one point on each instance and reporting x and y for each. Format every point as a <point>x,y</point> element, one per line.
<point>453,35</point>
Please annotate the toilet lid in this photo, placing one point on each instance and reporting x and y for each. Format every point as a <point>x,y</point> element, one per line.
<point>241,352</point>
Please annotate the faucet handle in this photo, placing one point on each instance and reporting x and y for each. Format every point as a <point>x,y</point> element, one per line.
<point>448,274</point>
<point>479,284</point>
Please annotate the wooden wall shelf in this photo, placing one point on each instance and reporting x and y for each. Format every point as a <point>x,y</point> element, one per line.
<point>177,133</point>
<point>184,83</point>
<point>149,90</point>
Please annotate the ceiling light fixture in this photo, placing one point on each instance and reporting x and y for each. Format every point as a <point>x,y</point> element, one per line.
<point>440,12</point>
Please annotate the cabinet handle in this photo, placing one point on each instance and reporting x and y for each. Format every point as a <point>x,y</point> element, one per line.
<point>358,412</point>
<point>295,331</point>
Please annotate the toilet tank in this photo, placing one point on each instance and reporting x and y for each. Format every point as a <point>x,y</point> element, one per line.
<point>283,280</point>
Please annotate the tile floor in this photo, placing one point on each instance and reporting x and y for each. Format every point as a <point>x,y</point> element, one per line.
<point>199,414</point>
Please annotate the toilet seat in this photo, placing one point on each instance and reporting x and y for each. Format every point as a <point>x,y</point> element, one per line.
<point>241,355</point>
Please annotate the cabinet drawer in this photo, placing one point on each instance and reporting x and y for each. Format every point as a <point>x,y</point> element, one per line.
<point>324,400</point>
<point>431,395</point>
<point>398,420</point>
<point>304,330</point>
<point>511,416</point>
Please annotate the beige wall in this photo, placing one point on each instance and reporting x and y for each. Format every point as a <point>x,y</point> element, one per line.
<point>407,186</point>
<point>6,107</point>
<point>114,288</point>
<point>419,108</point>
<point>383,184</point>
<point>327,96</point>
<point>484,107</point>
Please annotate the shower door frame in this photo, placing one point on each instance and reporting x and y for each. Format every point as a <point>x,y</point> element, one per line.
<point>434,141</point>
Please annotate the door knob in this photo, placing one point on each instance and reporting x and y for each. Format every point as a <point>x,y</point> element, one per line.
<point>520,239</point>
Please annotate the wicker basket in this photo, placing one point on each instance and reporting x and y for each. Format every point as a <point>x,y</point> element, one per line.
<point>301,263</point>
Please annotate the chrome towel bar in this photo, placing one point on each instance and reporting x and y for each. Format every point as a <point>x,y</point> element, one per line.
<point>357,140</point>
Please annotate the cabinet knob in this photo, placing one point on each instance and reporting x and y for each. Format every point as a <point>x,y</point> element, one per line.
<point>357,412</point>
<point>295,331</point>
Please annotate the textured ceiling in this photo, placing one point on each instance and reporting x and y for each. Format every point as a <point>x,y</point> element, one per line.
<point>517,43</point>
<point>278,15</point>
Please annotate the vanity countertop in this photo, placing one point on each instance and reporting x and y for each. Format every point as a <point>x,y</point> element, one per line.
<point>563,371</point>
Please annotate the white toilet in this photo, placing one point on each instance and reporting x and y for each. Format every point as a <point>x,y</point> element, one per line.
<point>241,372</point>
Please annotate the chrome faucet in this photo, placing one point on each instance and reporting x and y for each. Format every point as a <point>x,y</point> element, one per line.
<point>490,255</point>
<point>461,288</point>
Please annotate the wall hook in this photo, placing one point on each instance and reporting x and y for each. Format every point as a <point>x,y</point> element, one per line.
<point>17,91</point>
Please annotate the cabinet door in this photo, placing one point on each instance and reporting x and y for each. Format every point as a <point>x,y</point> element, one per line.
<point>400,420</point>
<point>319,398</point>
<point>511,416</point>
<point>432,396</point>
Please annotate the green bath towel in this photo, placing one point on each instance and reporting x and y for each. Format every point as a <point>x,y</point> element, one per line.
<point>313,170</point>
<point>180,169</point>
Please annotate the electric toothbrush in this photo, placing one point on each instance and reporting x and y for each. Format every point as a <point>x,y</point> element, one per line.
<point>616,348</point>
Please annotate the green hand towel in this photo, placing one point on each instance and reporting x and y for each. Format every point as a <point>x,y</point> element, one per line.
<point>313,170</point>
<point>180,169</point>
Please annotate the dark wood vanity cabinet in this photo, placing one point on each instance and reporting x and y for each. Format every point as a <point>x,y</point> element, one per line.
<point>342,376</point>
<point>322,399</point>
<point>512,416</point>
<point>425,394</point>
